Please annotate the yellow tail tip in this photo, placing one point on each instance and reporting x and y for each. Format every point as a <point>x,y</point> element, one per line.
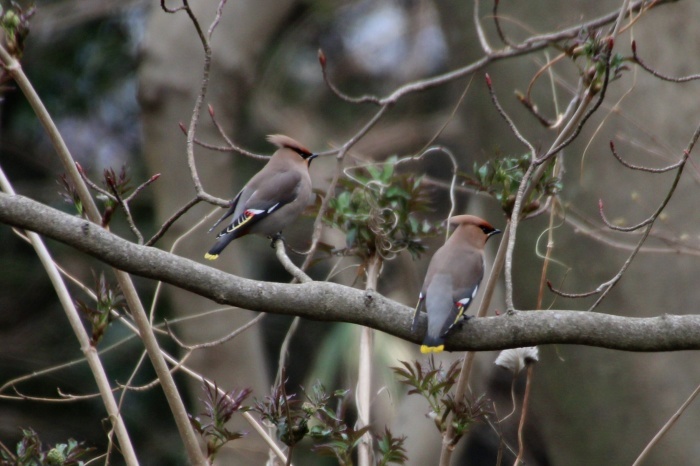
<point>211,257</point>
<point>431,349</point>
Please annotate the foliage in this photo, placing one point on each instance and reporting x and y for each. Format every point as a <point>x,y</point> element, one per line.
<point>391,449</point>
<point>501,178</point>
<point>70,194</point>
<point>30,452</point>
<point>118,186</point>
<point>595,48</point>
<point>219,409</point>
<point>434,383</point>
<point>107,299</point>
<point>321,418</point>
<point>377,208</point>
<point>15,26</point>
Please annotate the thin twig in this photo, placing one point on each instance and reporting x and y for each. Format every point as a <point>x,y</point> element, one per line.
<point>508,120</point>
<point>521,425</point>
<point>497,23</point>
<point>480,30</point>
<point>670,423</point>
<point>288,265</point>
<point>231,145</point>
<point>607,286</point>
<point>353,100</point>
<point>645,67</point>
<point>169,222</point>
<point>220,341</point>
<point>641,167</point>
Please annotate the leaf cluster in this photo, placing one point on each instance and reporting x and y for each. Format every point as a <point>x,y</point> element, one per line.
<point>107,299</point>
<point>15,27</point>
<point>377,210</point>
<point>501,177</point>
<point>595,48</point>
<point>31,452</point>
<point>118,185</point>
<point>218,408</point>
<point>320,417</point>
<point>434,383</point>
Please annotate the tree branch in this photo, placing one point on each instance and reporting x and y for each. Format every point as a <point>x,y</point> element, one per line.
<point>331,302</point>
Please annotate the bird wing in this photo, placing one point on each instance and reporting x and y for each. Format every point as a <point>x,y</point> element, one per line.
<point>248,208</point>
<point>280,189</point>
<point>458,309</point>
<point>420,305</point>
<point>228,213</point>
<point>464,289</point>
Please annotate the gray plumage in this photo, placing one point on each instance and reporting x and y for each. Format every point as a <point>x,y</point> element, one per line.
<point>272,199</point>
<point>452,280</point>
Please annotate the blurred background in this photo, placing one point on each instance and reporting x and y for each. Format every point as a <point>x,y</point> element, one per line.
<point>120,76</point>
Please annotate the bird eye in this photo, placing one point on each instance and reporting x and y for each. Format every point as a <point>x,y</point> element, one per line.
<point>486,230</point>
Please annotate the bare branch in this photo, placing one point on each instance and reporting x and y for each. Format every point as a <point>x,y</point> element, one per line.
<point>332,302</point>
<point>169,222</point>
<point>682,79</point>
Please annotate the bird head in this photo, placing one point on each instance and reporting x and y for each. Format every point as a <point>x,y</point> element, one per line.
<point>285,142</point>
<point>472,228</point>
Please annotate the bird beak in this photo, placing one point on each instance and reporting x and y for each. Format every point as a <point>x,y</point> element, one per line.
<point>310,158</point>
<point>494,232</point>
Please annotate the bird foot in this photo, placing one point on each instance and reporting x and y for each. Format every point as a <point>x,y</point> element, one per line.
<point>275,237</point>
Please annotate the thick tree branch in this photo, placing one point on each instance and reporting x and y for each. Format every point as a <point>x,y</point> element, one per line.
<point>332,302</point>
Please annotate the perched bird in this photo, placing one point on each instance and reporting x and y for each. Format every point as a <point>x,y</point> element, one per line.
<point>272,199</point>
<point>453,278</point>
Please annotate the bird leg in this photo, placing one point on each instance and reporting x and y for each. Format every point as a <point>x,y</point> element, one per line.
<point>277,236</point>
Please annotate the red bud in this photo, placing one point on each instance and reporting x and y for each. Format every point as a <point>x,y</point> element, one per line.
<point>488,80</point>
<point>211,110</point>
<point>322,58</point>
<point>183,127</point>
<point>634,47</point>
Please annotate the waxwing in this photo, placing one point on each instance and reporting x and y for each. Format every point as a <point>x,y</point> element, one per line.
<point>272,199</point>
<point>453,279</point>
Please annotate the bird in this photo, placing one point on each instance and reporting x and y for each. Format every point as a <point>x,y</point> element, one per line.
<point>452,280</point>
<point>272,199</point>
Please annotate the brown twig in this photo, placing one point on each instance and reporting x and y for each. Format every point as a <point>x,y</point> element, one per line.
<point>521,425</point>
<point>570,295</point>
<point>508,120</point>
<point>607,286</point>
<point>497,23</point>
<point>641,167</point>
<point>173,218</point>
<point>231,146</point>
<point>353,100</point>
<point>647,68</point>
<point>220,341</point>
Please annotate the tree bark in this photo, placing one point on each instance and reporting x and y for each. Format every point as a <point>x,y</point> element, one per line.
<point>331,302</point>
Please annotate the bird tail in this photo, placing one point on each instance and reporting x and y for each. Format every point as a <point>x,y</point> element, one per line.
<point>219,246</point>
<point>432,345</point>
<point>425,349</point>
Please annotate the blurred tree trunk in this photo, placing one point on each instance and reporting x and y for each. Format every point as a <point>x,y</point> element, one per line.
<point>170,78</point>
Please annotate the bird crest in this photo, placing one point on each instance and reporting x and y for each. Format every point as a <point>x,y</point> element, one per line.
<point>282,141</point>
